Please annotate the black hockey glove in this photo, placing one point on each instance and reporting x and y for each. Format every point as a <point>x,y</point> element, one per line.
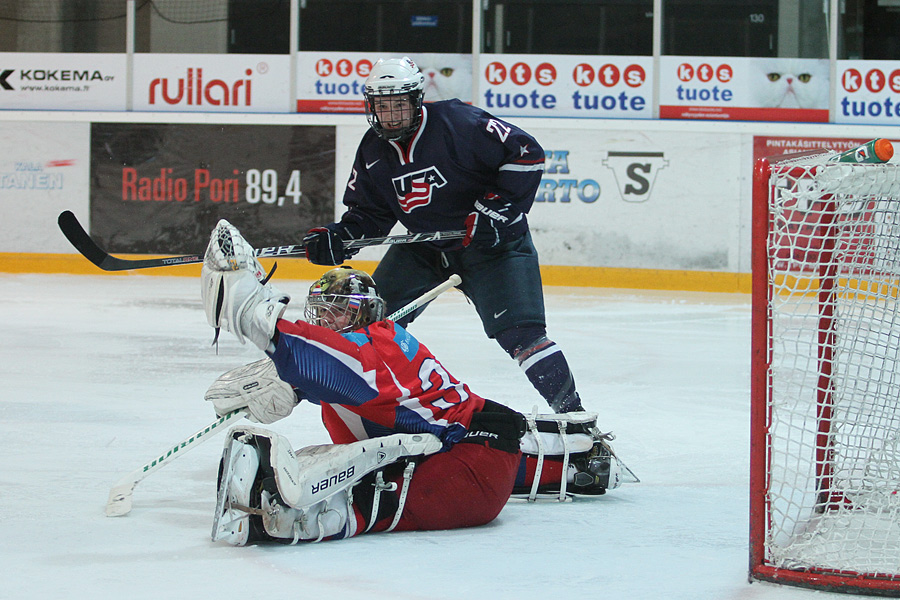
<point>325,246</point>
<point>493,222</point>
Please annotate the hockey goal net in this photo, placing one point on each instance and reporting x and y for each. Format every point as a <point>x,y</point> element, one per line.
<point>825,432</point>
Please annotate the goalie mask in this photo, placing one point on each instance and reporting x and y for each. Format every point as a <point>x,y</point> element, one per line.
<point>393,96</point>
<point>344,300</point>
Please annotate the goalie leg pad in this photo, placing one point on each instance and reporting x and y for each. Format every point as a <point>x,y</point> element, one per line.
<point>569,449</point>
<point>317,472</point>
<point>303,496</point>
<point>308,495</point>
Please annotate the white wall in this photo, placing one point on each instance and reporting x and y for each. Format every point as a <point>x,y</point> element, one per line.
<point>693,212</point>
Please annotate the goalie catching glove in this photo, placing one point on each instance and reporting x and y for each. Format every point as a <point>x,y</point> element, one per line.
<point>255,387</point>
<point>233,297</point>
<point>493,222</point>
<point>229,251</point>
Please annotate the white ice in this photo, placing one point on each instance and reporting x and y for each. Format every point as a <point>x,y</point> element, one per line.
<point>99,374</point>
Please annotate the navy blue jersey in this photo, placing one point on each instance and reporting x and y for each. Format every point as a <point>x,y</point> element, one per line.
<point>431,182</point>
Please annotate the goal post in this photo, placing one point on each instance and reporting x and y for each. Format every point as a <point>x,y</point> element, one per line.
<point>825,374</point>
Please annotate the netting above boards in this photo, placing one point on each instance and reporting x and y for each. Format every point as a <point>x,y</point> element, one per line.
<point>175,11</point>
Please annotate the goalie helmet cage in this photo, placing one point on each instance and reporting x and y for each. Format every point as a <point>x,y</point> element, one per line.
<point>825,375</point>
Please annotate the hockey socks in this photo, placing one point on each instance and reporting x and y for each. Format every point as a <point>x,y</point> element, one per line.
<point>544,365</point>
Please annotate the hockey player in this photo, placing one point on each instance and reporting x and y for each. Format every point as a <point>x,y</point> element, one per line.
<point>414,448</point>
<point>451,166</point>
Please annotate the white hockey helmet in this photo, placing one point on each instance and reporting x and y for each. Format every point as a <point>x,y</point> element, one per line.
<point>395,77</point>
<point>344,299</point>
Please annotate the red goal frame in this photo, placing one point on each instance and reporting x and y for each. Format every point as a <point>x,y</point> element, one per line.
<point>760,386</point>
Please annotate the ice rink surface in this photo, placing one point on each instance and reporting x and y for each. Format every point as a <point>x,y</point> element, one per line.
<point>100,374</point>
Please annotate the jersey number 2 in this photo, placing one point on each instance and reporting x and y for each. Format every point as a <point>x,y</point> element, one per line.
<point>453,392</point>
<point>502,131</point>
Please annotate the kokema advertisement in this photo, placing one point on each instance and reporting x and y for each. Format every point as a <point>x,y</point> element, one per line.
<point>332,82</point>
<point>212,82</point>
<point>744,89</point>
<point>160,189</point>
<point>62,81</point>
<point>533,85</point>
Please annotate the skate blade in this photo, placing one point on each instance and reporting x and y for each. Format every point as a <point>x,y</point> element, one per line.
<point>628,475</point>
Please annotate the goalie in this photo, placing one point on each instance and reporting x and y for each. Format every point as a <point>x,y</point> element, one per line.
<point>414,448</point>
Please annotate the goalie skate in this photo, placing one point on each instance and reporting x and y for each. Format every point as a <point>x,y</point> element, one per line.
<point>591,465</point>
<point>239,484</point>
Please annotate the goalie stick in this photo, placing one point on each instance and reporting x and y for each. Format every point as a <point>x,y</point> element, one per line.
<point>120,501</point>
<point>79,238</point>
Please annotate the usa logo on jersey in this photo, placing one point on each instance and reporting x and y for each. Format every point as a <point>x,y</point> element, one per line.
<point>414,189</point>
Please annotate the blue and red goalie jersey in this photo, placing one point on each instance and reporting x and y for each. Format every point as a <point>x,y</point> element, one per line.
<point>373,382</point>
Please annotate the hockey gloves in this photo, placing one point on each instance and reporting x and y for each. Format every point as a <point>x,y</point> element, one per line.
<point>255,387</point>
<point>229,251</point>
<point>233,297</point>
<point>325,245</point>
<point>493,222</point>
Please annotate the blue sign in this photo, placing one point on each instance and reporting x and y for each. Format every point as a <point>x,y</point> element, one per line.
<point>423,20</point>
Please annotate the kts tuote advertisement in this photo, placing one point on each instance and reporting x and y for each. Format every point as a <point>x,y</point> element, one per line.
<point>532,85</point>
<point>332,82</point>
<point>868,91</point>
<point>744,89</point>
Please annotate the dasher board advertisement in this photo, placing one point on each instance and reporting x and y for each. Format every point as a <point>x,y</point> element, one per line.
<point>43,171</point>
<point>639,199</point>
<point>62,81</point>
<point>332,82</point>
<point>212,82</point>
<point>161,188</point>
<point>533,85</point>
<point>868,91</point>
<point>744,89</point>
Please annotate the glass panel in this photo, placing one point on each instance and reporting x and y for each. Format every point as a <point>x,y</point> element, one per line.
<point>62,26</point>
<point>398,26</point>
<point>720,27</point>
<point>869,29</point>
<point>213,27</point>
<point>619,27</point>
<point>802,29</point>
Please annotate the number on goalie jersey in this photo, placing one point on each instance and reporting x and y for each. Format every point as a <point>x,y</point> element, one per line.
<point>374,381</point>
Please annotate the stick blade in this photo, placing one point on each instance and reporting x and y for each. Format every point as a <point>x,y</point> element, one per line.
<point>120,498</point>
<point>79,238</point>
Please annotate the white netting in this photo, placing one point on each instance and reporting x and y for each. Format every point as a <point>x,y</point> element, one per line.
<point>834,401</point>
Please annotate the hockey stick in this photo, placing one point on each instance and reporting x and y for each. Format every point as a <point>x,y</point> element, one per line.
<point>120,496</point>
<point>119,502</point>
<point>79,238</point>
